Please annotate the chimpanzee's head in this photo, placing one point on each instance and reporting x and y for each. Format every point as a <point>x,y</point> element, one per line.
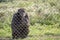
<point>21,11</point>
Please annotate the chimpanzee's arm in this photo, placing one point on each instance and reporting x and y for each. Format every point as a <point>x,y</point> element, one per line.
<point>27,19</point>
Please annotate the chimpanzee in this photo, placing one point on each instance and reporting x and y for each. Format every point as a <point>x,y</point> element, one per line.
<point>20,24</point>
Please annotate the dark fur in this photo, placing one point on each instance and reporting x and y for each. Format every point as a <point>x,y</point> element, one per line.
<point>20,24</point>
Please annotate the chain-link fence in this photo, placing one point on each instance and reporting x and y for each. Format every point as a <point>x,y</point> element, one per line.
<point>37,20</point>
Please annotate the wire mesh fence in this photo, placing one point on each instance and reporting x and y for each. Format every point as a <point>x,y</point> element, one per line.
<point>30,20</point>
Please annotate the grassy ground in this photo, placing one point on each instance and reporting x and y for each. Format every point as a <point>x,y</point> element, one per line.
<point>44,19</point>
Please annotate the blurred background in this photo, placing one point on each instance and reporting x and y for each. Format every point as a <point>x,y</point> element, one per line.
<point>44,18</point>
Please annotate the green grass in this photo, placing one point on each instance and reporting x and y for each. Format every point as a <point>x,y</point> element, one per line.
<point>36,32</point>
<point>44,18</point>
